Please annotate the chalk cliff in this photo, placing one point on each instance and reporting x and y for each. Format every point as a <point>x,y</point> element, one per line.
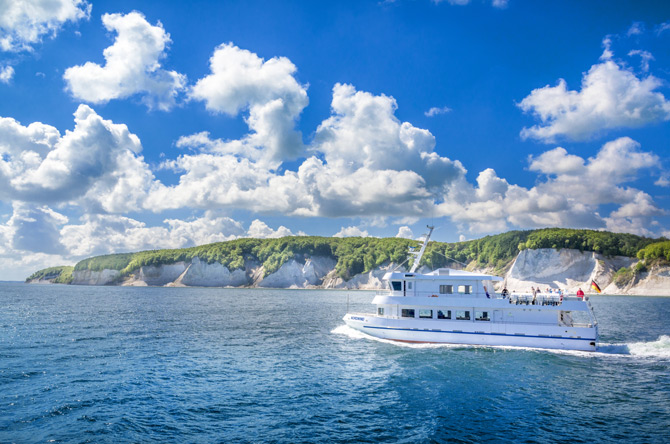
<point>566,269</point>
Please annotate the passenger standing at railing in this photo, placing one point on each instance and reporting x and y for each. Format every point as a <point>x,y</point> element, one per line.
<point>487,292</point>
<point>580,294</point>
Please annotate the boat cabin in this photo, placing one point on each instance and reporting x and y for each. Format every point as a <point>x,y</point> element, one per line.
<point>443,281</point>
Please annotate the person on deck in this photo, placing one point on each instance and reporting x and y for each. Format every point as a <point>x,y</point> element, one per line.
<point>580,294</point>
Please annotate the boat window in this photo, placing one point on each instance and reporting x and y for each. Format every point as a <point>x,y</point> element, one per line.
<point>443,314</point>
<point>465,289</point>
<point>407,313</point>
<point>463,315</point>
<point>397,285</point>
<point>446,289</point>
<point>409,285</point>
<point>482,316</point>
<point>426,314</point>
<point>380,311</point>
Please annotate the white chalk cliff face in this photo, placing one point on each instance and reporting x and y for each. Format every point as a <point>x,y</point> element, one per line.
<point>565,269</point>
<point>296,275</point>
<point>88,277</point>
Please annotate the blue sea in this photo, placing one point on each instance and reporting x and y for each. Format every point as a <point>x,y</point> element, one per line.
<point>197,365</point>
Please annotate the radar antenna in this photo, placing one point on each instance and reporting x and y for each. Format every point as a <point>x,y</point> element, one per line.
<point>418,255</point>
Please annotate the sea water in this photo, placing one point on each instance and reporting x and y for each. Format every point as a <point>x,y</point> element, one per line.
<point>199,365</point>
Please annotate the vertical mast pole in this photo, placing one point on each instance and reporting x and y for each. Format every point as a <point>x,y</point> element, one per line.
<point>419,255</point>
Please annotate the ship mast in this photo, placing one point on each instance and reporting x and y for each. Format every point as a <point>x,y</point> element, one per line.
<point>418,255</point>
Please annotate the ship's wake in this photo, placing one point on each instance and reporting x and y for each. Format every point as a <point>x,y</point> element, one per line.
<point>658,349</point>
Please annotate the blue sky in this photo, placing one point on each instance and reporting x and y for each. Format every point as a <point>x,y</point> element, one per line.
<point>163,124</point>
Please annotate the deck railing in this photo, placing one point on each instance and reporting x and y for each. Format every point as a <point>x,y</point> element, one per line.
<point>515,298</point>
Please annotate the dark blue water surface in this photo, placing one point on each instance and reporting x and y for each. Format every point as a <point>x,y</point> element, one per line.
<point>116,364</point>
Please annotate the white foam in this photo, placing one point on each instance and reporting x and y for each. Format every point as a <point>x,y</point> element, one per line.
<point>654,349</point>
<point>659,348</point>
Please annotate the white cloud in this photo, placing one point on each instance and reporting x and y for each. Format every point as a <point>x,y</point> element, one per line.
<point>24,22</point>
<point>366,162</point>
<point>35,229</point>
<point>434,111</point>
<point>636,28</point>
<point>351,232</point>
<point>98,163</point>
<point>660,29</point>
<point>495,3</point>
<point>364,133</point>
<point>103,234</point>
<point>663,180</point>
<point>259,229</point>
<point>241,80</point>
<point>6,74</point>
<point>132,66</point>
<point>611,96</point>
<point>500,3</point>
<point>570,196</point>
<point>405,232</point>
<point>645,58</point>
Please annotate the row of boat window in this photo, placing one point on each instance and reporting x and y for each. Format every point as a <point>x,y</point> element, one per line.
<point>444,289</point>
<point>424,313</point>
<point>449,289</point>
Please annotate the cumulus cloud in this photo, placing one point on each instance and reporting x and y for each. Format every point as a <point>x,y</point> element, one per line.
<point>434,111</point>
<point>261,230</point>
<point>611,96</point>
<point>104,233</point>
<point>97,162</point>
<point>363,133</point>
<point>571,195</point>
<point>405,232</point>
<point>351,232</point>
<point>365,162</point>
<point>6,74</point>
<point>24,22</point>
<point>35,229</point>
<point>132,66</point>
<point>240,80</point>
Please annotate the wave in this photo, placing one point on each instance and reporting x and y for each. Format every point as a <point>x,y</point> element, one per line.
<point>659,349</point>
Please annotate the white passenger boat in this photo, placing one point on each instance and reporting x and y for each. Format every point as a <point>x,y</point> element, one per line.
<point>460,307</point>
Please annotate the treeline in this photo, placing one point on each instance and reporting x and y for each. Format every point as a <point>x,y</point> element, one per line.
<point>497,251</point>
<point>655,251</point>
<point>58,275</point>
<point>355,255</point>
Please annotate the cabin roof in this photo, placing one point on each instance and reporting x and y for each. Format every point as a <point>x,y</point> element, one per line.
<point>446,274</point>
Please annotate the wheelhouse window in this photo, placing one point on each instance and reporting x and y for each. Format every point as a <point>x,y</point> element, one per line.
<point>426,314</point>
<point>407,313</point>
<point>380,311</point>
<point>463,315</point>
<point>397,285</point>
<point>446,289</point>
<point>482,316</point>
<point>465,289</point>
<point>443,314</point>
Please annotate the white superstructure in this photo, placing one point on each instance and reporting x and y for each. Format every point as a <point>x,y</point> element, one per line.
<point>452,306</point>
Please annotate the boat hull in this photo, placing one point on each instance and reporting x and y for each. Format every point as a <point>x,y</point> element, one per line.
<point>468,333</point>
